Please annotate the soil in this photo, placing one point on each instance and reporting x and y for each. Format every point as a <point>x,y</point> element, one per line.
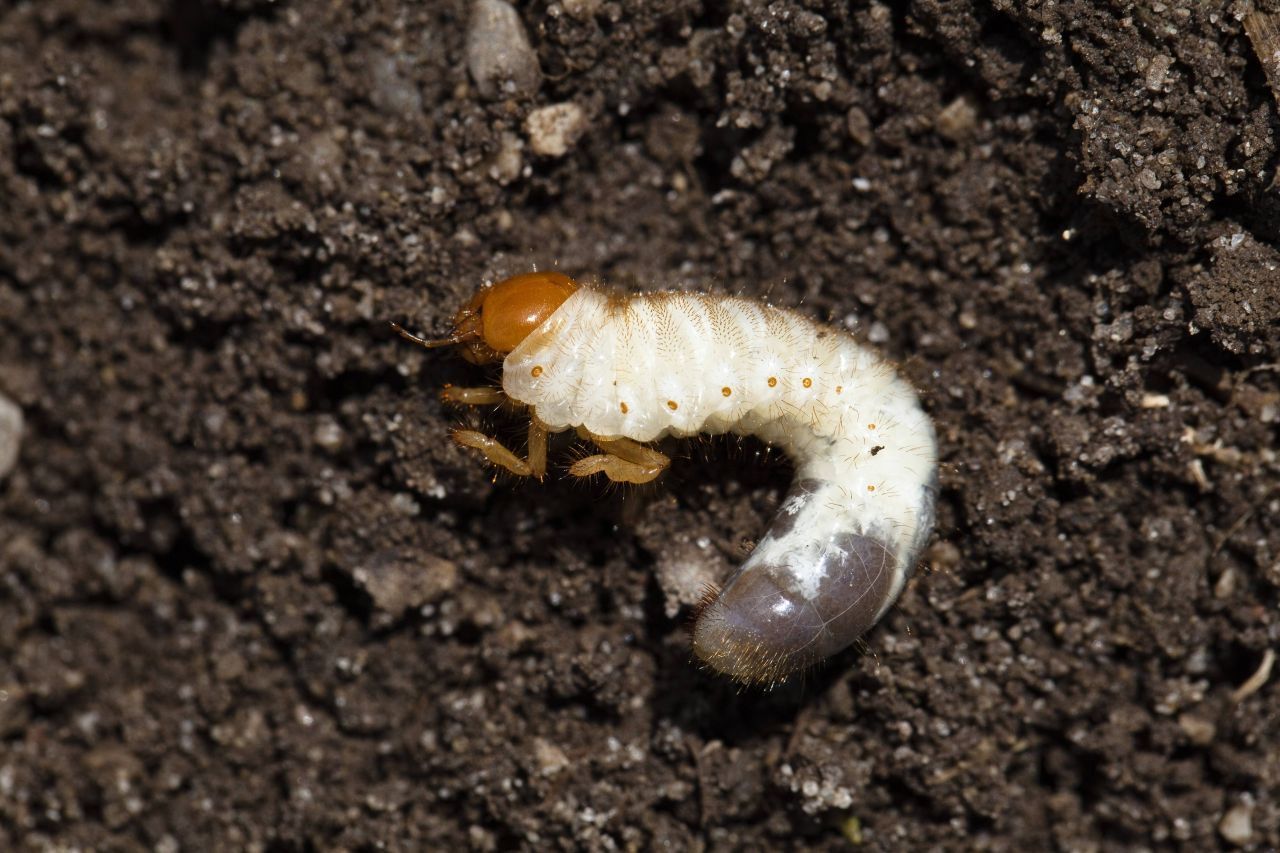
<point>251,597</point>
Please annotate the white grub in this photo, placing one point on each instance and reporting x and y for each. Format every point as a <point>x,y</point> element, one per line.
<point>652,365</point>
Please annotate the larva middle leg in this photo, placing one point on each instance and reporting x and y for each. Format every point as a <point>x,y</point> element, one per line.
<point>499,454</point>
<point>473,396</point>
<point>623,460</point>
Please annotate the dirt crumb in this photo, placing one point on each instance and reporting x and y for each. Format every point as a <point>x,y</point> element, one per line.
<point>554,129</point>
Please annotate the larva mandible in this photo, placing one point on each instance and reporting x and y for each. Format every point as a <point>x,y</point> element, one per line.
<point>626,371</point>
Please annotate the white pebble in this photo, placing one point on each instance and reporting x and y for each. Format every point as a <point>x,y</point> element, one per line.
<point>10,434</point>
<point>506,163</point>
<point>581,9</point>
<point>1236,825</point>
<point>549,757</point>
<point>553,130</point>
<point>499,56</point>
<point>1158,71</point>
<point>328,435</point>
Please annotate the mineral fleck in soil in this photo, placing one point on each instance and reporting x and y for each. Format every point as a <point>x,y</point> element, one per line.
<point>251,597</point>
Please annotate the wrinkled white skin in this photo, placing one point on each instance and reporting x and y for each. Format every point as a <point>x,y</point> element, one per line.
<point>651,365</point>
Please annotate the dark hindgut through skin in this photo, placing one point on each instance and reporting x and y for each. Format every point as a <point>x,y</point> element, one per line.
<point>761,629</point>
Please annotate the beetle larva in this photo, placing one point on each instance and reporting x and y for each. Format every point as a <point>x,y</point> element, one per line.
<point>626,371</point>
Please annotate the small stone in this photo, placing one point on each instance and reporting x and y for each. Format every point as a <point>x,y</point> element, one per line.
<point>859,126</point>
<point>685,573</point>
<point>555,129</point>
<point>397,581</point>
<point>1236,825</point>
<point>944,557</point>
<point>507,162</point>
<point>15,712</point>
<point>1199,731</point>
<point>1155,401</point>
<point>391,92</point>
<point>10,434</point>
<point>229,666</point>
<point>328,434</point>
<point>1225,586</point>
<point>957,119</point>
<point>499,56</point>
<point>581,9</point>
<point>481,839</point>
<point>1157,71</point>
<point>550,758</point>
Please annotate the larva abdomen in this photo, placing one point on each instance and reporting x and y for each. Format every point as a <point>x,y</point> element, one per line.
<point>660,364</point>
<point>651,365</point>
<point>760,627</point>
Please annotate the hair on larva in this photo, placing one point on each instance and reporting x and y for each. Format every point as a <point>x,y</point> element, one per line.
<point>626,371</point>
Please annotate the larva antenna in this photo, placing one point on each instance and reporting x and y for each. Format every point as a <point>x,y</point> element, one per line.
<point>455,338</point>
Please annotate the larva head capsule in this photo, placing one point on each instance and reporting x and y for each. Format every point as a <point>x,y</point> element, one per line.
<point>502,315</point>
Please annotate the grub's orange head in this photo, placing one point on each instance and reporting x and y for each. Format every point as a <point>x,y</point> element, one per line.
<point>502,315</point>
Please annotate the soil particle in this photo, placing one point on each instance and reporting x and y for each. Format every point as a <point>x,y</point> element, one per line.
<point>499,56</point>
<point>554,129</point>
<point>398,582</point>
<point>10,435</point>
<point>251,596</point>
<point>1236,825</point>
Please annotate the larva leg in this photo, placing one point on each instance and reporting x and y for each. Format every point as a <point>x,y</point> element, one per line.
<point>537,448</point>
<point>497,453</point>
<point>623,461</point>
<point>493,450</point>
<point>473,396</point>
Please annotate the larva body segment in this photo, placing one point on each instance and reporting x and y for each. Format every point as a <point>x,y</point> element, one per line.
<point>845,540</point>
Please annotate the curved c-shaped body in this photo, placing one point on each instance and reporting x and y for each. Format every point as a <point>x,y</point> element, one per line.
<point>849,533</point>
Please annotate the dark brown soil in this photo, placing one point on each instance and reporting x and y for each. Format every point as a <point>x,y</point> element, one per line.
<point>252,597</point>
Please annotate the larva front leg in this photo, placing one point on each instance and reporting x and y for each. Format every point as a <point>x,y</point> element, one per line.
<point>623,460</point>
<point>498,453</point>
